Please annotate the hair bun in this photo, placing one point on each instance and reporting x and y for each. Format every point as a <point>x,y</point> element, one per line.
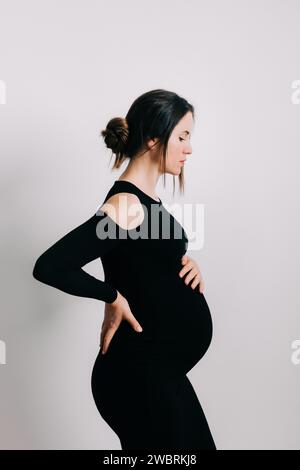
<point>116,134</point>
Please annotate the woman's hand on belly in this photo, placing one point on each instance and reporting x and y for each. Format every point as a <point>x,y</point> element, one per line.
<point>114,313</point>
<point>192,268</point>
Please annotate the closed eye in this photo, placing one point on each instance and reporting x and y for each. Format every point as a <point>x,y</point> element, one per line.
<point>181,139</point>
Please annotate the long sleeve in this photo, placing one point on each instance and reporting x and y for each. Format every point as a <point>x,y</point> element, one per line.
<point>60,265</point>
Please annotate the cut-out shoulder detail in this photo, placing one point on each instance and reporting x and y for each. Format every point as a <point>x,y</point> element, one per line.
<point>125,209</point>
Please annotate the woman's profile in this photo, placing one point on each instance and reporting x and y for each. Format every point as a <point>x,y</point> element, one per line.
<point>157,324</point>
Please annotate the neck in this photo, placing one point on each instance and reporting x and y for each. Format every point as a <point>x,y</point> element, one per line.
<point>143,173</point>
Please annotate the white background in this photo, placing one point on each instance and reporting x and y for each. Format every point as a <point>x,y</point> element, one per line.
<point>70,66</point>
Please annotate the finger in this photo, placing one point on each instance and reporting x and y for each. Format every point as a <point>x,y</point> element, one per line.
<point>134,323</point>
<point>191,275</point>
<point>102,340</point>
<point>101,337</point>
<point>102,328</point>
<point>109,328</point>
<point>195,281</point>
<point>186,268</point>
<point>184,259</point>
<point>202,286</point>
<point>107,339</point>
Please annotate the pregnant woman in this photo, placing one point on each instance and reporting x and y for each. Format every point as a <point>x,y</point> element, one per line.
<point>157,324</point>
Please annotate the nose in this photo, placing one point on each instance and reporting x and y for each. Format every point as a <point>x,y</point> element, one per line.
<point>188,149</point>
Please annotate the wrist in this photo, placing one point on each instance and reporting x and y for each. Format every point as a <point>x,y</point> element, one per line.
<point>116,299</point>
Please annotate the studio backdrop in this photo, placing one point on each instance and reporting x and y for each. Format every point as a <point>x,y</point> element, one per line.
<point>66,68</point>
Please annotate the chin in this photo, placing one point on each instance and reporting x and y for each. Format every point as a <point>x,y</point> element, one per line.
<point>174,172</point>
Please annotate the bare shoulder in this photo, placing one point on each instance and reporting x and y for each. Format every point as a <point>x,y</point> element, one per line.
<point>125,209</point>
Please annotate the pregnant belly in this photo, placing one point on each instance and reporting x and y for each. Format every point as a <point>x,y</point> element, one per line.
<point>184,323</point>
<point>176,321</point>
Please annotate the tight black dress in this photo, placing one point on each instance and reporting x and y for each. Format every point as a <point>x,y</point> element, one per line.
<point>139,385</point>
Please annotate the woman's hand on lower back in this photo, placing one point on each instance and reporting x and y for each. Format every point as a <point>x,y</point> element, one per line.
<point>114,313</point>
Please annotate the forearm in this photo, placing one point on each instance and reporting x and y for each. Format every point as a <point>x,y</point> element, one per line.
<point>75,282</point>
<point>60,266</point>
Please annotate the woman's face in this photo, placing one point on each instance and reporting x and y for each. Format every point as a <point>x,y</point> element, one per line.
<point>179,146</point>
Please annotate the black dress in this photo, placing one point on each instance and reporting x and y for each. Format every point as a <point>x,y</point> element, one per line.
<point>140,385</point>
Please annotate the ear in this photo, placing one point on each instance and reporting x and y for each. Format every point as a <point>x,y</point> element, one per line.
<point>152,143</point>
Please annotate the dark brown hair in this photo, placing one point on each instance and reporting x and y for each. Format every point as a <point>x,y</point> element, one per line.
<point>154,114</point>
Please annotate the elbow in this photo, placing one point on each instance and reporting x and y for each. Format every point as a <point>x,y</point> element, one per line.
<point>40,270</point>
